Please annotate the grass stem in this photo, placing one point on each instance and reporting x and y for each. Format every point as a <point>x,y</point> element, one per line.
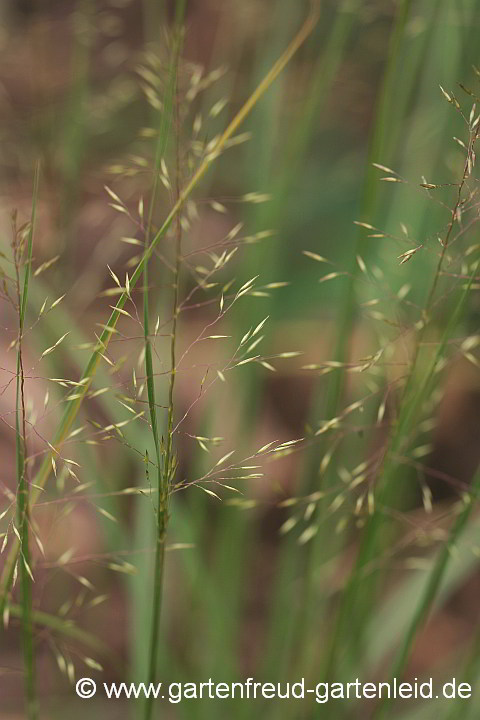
<point>23,500</point>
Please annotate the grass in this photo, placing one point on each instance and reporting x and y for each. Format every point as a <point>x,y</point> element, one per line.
<point>23,255</point>
<point>73,407</point>
<point>248,555</point>
<point>164,456</point>
<point>345,323</point>
<point>165,475</point>
<point>408,414</point>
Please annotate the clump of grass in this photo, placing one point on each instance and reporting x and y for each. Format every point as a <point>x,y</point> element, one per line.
<point>379,474</point>
<point>417,389</point>
<point>373,427</point>
<point>78,391</point>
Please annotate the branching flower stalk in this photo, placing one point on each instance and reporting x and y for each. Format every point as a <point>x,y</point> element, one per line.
<point>410,405</point>
<point>467,170</point>
<point>168,460</point>
<point>23,499</point>
<point>164,455</point>
<point>88,375</point>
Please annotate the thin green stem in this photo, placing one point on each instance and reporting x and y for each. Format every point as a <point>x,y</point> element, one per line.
<point>164,470</point>
<point>23,509</point>
<point>168,465</point>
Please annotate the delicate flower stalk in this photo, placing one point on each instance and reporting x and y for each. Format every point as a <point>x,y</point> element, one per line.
<point>23,499</point>
<point>163,454</point>
<point>410,405</point>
